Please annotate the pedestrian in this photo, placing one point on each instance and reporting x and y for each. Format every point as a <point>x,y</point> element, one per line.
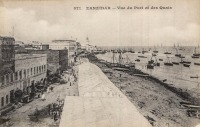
<point>43,97</point>
<point>55,116</point>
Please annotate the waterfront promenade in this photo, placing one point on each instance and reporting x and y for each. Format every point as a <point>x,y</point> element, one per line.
<point>99,104</point>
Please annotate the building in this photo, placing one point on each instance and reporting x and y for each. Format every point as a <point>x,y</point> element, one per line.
<point>7,55</point>
<point>70,45</point>
<point>57,60</point>
<point>30,70</point>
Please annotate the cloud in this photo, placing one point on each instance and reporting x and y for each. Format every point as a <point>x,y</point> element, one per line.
<point>114,27</point>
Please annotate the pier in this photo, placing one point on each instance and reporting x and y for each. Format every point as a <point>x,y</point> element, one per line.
<point>100,103</point>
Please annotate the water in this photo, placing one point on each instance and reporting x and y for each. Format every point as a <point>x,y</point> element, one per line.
<point>177,75</point>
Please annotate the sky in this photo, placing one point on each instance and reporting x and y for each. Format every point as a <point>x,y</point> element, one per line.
<point>45,21</point>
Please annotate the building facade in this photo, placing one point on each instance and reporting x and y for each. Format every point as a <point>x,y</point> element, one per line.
<point>57,60</point>
<point>70,45</point>
<point>7,55</point>
<point>29,70</point>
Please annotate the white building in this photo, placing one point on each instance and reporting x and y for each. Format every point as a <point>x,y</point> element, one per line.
<point>70,45</point>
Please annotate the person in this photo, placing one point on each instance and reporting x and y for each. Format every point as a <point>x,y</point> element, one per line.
<point>36,113</point>
<point>55,115</point>
<point>43,97</point>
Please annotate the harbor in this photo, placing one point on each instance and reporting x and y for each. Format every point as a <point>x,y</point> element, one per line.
<point>159,101</point>
<point>173,70</point>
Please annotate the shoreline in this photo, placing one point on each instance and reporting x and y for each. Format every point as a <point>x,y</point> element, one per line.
<point>158,102</point>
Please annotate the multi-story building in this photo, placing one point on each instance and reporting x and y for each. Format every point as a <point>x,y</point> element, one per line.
<point>7,55</point>
<point>70,45</point>
<point>57,60</point>
<point>30,69</point>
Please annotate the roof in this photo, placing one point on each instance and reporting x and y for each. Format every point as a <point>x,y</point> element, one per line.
<point>28,56</point>
<point>100,103</point>
<point>63,40</point>
<point>4,38</point>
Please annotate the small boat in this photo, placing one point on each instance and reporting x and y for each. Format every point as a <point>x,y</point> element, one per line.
<point>178,55</point>
<point>138,60</point>
<point>194,76</point>
<point>142,56</point>
<point>176,63</point>
<point>139,52</point>
<point>197,64</point>
<point>195,55</point>
<point>168,64</point>
<point>160,59</point>
<point>150,66</point>
<point>143,52</point>
<point>181,56</point>
<point>186,65</point>
<point>167,53</point>
<point>185,62</point>
<point>154,55</point>
<point>155,51</point>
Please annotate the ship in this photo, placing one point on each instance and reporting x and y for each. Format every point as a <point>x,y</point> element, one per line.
<point>168,63</point>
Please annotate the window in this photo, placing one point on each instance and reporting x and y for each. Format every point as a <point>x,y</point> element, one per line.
<point>2,79</point>
<point>39,69</point>
<point>7,78</point>
<point>27,72</point>
<point>6,99</point>
<point>16,75</point>
<point>24,73</point>
<point>31,71</point>
<point>11,77</point>
<point>2,101</point>
<point>20,74</point>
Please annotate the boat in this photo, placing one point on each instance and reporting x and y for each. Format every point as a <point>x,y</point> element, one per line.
<point>160,59</point>
<point>176,63</point>
<point>186,65</point>
<point>139,52</point>
<point>185,62</point>
<point>181,56</point>
<point>143,52</point>
<point>150,66</point>
<point>152,62</point>
<point>197,64</point>
<point>177,54</point>
<point>167,53</point>
<point>142,56</point>
<point>194,76</point>
<point>154,54</point>
<point>138,60</point>
<point>195,55</point>
<point>168,62</point>
<point>155,51</point>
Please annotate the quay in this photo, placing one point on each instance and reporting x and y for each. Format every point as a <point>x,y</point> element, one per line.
<point>99,104</point>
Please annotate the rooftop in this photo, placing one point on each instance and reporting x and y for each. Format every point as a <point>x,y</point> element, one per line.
<point>28,56</point>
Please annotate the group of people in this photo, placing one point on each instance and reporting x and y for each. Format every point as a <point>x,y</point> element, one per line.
<point>55,109</point>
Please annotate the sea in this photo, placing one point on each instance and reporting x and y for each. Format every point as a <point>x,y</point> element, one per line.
<point>177,75</point>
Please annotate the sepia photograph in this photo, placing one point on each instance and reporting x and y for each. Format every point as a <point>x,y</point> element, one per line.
<point>99,63</point>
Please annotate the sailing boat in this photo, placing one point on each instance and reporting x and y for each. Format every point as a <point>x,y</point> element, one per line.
<point>168,63</point>
<point>155,51</point>
<point>195,55</point>
<point>185,62</point>
<point>152,63</point>
<point>177,55</point>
